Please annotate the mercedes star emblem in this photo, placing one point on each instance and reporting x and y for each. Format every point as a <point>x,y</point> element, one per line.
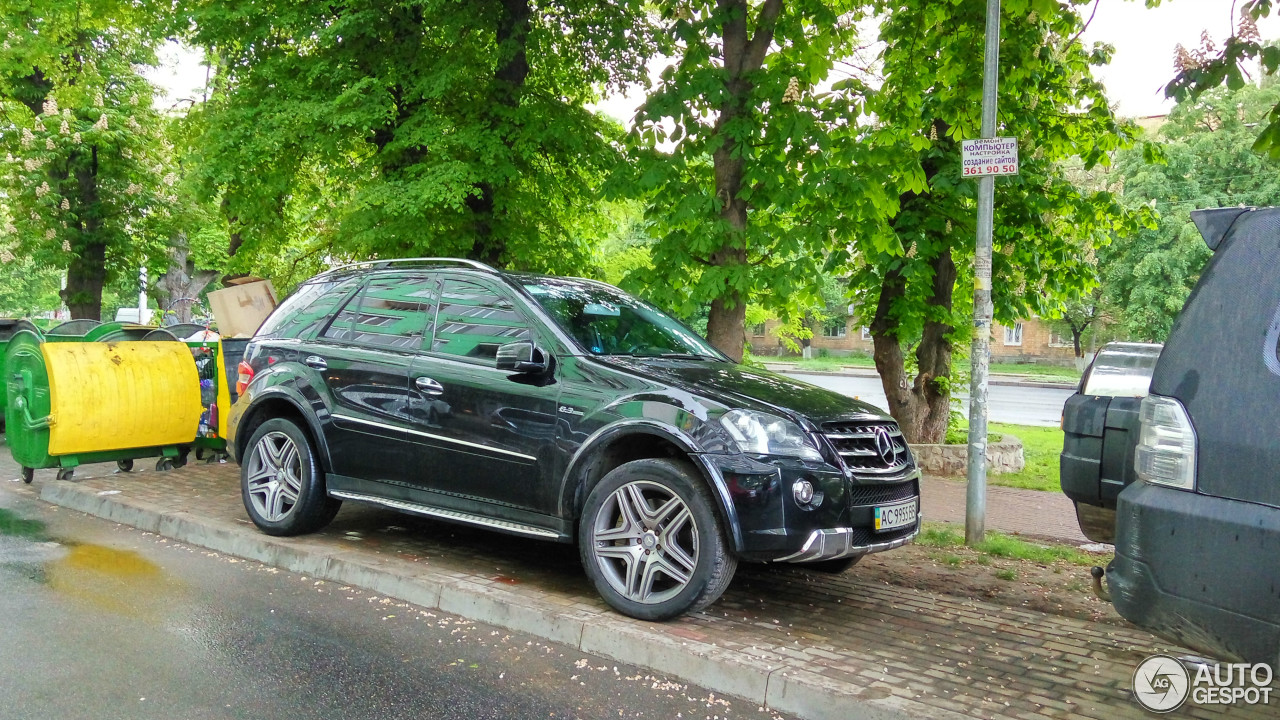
<point>884,446</point>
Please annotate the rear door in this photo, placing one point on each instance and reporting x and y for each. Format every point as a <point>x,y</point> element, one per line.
<point>1222,361</point>
<point>484,434</point>
<point>365,356</point>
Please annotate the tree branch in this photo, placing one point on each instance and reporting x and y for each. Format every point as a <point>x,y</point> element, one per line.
<point>763,38</point>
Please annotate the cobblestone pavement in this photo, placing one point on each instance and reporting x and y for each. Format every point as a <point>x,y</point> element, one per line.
<point>1048,515</point>
<point>867,640</point>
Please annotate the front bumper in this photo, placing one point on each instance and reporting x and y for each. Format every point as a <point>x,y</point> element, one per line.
<point>775,528</point>
<point>1199,571</point>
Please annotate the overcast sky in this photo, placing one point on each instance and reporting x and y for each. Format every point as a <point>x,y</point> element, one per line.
<point>1143,63</point>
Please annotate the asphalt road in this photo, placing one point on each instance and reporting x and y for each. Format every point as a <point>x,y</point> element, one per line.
<point>1018,404</point>
<point>103,621</point>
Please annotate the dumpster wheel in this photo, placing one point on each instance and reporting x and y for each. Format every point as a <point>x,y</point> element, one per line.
<point>66,473</point>
<point>125,465</point>
<point>164,464</point>
<point>28,474</point>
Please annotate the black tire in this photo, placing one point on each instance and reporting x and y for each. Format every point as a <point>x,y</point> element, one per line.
<point>125,465</point>
<point>712,562</point>
<point>66,473</point>
<point>28,474</point>
<point>311,510</point>
<point>833,567</point>
<point>164,464</point>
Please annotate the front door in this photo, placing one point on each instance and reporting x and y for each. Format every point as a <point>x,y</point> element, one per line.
<point>484,434</point>
<point>365,357</point>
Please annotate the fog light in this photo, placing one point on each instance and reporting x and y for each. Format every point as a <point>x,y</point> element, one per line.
<point>803,490</point>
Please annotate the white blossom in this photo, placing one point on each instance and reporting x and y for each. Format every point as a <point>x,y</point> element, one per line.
<point>66,204</point>
<point>6,256</point>
<point>75,138</point>
<point>50,234</point>
<point>31,164</point>
<point>133,99</point>
<point>8,157</point>
<point>51,107</point>
<point>42,190</point>
<point>39,125</point>
<point>27,137</point>
<point>102,123</point>
<point>793,91</point>
<point>133,189</point>
<point>65,128</point>
<point>66,113</point>
<point>97,100</point>
<point>66,244</point>
<point>170,179</point>
<point>48,144</point>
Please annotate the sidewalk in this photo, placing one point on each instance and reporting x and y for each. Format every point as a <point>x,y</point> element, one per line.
<point>1035,513</point>
<point>821,647</point>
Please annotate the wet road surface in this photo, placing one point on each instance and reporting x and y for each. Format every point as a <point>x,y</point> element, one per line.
<point>102,621</point>
<point>1018,404</point>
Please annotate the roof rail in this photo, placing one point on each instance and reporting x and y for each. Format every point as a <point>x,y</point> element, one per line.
<point>426,262</point>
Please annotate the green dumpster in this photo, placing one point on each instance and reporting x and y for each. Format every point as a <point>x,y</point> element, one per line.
<point>7,327</point>
<point>70,403</point>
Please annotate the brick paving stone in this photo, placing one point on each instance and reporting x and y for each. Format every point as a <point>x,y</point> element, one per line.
<point>1035,513</point>
<point>963,655</point>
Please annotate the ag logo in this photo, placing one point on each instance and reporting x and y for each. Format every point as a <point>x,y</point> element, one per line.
<point>1161,684</point>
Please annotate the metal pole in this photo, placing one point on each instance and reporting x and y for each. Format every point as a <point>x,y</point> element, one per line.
<point>975,517</point>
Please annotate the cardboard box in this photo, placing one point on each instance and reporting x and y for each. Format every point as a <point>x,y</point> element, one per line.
<point>240,310</point>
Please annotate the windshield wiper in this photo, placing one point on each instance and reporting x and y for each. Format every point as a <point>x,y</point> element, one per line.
<point>688,356</point>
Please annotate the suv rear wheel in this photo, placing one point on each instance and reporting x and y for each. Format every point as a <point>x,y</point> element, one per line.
<point>651,542</point>
<point>281,484</point>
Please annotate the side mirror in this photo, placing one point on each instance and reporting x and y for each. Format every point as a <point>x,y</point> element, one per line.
<point>522,357</point>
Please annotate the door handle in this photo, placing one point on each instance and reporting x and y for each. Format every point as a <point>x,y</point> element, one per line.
<point>429,386</point>
<point>317,362</point>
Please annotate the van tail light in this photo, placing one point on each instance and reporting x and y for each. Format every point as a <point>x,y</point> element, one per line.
<point>1166,452</point>
<point>245,377</point>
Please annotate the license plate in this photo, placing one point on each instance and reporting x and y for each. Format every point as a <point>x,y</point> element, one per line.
<point>890,517</point>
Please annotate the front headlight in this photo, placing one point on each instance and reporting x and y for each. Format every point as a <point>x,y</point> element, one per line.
<point>765,434</point>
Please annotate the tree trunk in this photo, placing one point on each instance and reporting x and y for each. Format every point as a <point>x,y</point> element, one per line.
<point>87,272</point>
<point>726,325</point>
<point>513,69</point>
<point>921,406</point>
<point>182,284</point>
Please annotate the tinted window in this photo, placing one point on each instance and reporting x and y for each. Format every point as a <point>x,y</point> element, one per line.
<point>474,320</point>
<point>388,312</point>
<point>307,309</point>
<point>607,321</point>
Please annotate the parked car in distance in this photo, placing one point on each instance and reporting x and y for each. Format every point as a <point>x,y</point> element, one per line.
<point>560,409</point>
<point>1198,537</point>
<point>1100,432</point>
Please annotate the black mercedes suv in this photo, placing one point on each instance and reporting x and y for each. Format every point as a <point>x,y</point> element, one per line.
<point>564,409</point>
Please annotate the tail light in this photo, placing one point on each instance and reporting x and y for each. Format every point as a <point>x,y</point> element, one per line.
<point>1166,452</point>
<point>245,377</point>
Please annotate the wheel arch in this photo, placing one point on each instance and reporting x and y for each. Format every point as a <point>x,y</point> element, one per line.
<point>280,405</point>
<point>639,440</point>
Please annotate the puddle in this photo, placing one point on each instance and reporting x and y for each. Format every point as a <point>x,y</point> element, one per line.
<point>121,581</point>
<point>13,524</point>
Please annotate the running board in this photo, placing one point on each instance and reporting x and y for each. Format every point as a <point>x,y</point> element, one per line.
<point>454,515</point>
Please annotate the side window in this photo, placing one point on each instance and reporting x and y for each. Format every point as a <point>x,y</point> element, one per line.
<point>474,320</point>
<point>307,309</point>
<point>388,312</point>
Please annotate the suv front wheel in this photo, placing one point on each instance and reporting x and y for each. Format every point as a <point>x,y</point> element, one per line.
<point>281,483</point>
<point>651,542</point>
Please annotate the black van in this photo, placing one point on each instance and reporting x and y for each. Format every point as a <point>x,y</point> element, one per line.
<point>1198,538</point>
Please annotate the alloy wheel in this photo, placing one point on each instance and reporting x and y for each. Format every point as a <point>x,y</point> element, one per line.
<point>274,477</point>
<point>645,542</point>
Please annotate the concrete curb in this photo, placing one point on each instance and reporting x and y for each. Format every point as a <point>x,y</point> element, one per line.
<point>996,379</point>
<point>762,680</point>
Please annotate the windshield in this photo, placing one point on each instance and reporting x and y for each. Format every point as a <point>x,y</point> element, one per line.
<point>607,321</point>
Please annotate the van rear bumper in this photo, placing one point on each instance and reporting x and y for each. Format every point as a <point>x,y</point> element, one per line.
<point>1200,571</point>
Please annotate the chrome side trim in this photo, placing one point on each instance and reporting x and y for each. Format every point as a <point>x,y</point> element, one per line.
<point>455,515</point>
<point>833,543</point>
<point>348,418</point>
